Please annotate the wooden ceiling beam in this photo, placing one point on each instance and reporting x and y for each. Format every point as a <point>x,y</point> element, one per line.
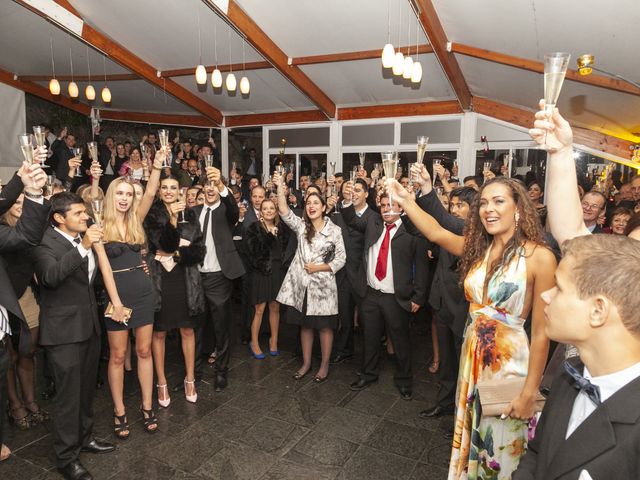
<point>235,67</point>
<point>399,110</point>
<point>538,67</point>
<point>438,39</point>
<point>131,62</point>
<point>257,119</point>
<point>274,55</point>
<point>524,118</point>
<point>81,78</point>
<point>353,56</point>
<point>42,92</point>
<point>157,118</point>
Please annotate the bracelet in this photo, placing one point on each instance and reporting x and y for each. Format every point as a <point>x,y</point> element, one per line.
<point>34,196</point>
<point>157,168</point>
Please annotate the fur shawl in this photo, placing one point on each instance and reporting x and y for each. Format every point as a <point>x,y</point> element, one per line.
<point>258,246</point>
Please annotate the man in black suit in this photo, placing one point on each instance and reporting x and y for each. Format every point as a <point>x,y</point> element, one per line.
<point>62,151</point>
<point>347,277</point>
<point>69,329</point>
<point>390,289</point>
<point>27,232</point>
<point>222,264</point>
<point>590,425</point>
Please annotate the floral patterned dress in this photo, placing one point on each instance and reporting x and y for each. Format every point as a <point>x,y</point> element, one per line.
<point>495,346</point>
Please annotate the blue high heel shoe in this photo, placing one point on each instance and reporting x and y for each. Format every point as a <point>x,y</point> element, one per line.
<point>257,356</point>
<point>274,353</point>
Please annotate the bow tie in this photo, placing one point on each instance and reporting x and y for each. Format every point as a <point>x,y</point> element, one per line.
<point>584,385</point>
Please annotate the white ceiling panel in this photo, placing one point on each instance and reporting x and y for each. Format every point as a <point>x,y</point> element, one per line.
<point>164,33</point>
<point>270,92</point>
<point>308,27</point>
<point>597,108</point>
<point>366,82</point>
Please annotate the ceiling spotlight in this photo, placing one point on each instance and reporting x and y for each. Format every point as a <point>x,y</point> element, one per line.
<point>388,56</point>
<point>90,92</point>
<point>201,75</point>
<point>398,64</point>
<point>106,95</point>
<point>231,82</point>
<point>216,78</point>
<point>245,86</point>
<point>73,90</point>
<point>54,86</point>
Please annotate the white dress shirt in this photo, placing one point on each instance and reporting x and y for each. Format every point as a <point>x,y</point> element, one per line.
<point>81,250</point>
<point>211,263</point>
<point>608,384</point>
<point>386,284</point>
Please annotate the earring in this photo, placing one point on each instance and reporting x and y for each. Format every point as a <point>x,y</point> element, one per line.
<point>517,218</point>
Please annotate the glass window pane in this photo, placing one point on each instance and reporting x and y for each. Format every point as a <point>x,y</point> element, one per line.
<point>350,160</point>
<point>527,164</point>
<point>299,137</point>
<point>313,164</point>
<point>499,133</point>
<point>353,135</point>
<point>443,131</point>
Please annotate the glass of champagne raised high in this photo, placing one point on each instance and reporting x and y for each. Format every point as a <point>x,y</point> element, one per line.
<point>77,153</point>
<point>361,158</point>
<point>163,137</point>
<point>40,137</point>
<point>93,152</point>
<point>208,163</point>
<point>26,145</point>
<point>555,69</point>
<point>390,166</point>
<point>422,148</point>
<point>97,205</point>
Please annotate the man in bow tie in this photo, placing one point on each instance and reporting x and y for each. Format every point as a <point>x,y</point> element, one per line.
<point>591,421</point>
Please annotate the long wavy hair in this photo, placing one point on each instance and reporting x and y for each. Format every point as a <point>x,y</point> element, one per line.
<point>310,230</point>
<point>477,240</point>
<point>135,232</point>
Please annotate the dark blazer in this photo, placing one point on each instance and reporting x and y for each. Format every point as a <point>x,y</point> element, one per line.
<point>62,155</point>
<point>249,217</point>
<point>606,443</point>
<point>408,254</point>
<point>68,310</point>
<point>353,244</point>
<point>223,221</point>
<point>27,232</point>
<point>446,295</point>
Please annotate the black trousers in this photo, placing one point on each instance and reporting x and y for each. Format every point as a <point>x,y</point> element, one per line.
<point>4,366</point>
<point>217,292</point>
<point>74,367</point>
<point>450,346</point>
<point>348,300</point>
<point>380,312</point>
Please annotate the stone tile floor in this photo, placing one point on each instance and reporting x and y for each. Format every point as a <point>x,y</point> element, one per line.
<point>265,426</point>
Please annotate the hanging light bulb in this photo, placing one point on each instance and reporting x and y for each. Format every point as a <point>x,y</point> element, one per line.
<point>201,75</point>
<point>216,78</point>
<point>398,64</point>
<point>54,86</point>
<point>231,82</point>
<point>245,86</point>
<point>416,74</point>
<point>90,92</point>
<point>388,56</point>
<point>73,90</point>
<point>106,95</point>
<point>408,67</point>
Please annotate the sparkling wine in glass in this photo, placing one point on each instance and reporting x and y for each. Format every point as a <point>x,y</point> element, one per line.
<point>182,197</point>
<point>93,152</point>
<point>40,137</point>
<point>77,153</point>
<point>555,69</point>
<point>436,162</point>
<point>163,137</point>
<point>208,163</point>
<point>390,166</point>
<point>50,179</point>
<point>361,158</point>
<point>97,205</point>
<point>411,174</point>
<point>26,145</point>
<point>422,148</point>
<point>353,176</point>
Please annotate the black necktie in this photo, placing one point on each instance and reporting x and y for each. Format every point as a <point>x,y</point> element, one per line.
<point>77,240</point>
<point>205,226</point>
<point>584,385</point>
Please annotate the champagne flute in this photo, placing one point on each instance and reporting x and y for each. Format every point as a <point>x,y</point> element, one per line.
<point>163,137</point>
<point>40,137</point>
<point>555,69</point>
<point>97,205</point>
<point>353,176</point>
<point>50,179</point>
<point>182,198</point>
<point>93,152</point>
<point>77,153</point>
<point>436,163</point>
<point>422,148</point>
<point>361,157</point>
<point>26,145</point>
<point>411,174</point>
<point>332,172</point>
<point>390,166</point>
<point>208,163</point>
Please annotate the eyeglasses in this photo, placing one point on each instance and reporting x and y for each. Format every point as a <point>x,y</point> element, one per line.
<point>591,206</point>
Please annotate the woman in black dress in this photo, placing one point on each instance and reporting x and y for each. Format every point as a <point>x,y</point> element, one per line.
<point>176,248</point>
<point>265,244</point>
<point>124,238</point>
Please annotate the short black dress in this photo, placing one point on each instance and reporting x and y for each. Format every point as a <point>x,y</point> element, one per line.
<point>265,288</point>
<point>134,285</point>
<point>174,312</point>
<point>317,322</point>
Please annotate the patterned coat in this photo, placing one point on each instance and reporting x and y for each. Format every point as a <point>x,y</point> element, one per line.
<point>327,246</point>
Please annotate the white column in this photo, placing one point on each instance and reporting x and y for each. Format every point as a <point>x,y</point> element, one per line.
<point>224,150</point>
<point>467,158</point>
<point>335,145</point>
<point>265,151</point>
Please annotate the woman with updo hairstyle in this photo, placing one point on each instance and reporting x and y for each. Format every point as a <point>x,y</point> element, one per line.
<point>619,219</point>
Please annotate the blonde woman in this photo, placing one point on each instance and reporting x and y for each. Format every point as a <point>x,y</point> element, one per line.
<point>124,238</point>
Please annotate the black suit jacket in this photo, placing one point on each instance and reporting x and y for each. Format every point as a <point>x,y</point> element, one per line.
<point>68,310</point>
<point>62,155</point>
<point>27,232</point>
<point>606,443</point>
<point>223,221</point>
<point>408,254</point>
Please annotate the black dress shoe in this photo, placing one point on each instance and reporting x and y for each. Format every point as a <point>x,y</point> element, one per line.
<point>220,382</point>
<point>96,446</point>
<point>361,384</point>
<point>75,471</point>
<point>339,358</point>
<point>405,393</point>
<point>436,411</point>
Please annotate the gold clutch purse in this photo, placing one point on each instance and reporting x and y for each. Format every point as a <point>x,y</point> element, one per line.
<point>108,312</point>
<point>497,394</point>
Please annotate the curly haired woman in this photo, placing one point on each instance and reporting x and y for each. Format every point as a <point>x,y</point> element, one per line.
<point>506,266</point>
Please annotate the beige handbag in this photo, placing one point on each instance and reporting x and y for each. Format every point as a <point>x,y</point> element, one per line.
<point>497,394</point>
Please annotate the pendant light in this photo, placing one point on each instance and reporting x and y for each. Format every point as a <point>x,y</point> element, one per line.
<point>106,93</point>
<point>231,82</point>
<point>416,74</point>
<point>245,86</point>
<point>89,91</point>
<point>398,61</point>
<point>201,72</point>
<point>73,86</point>
<point>54,85</point>
<point>408,61</point>
<point>216,76</point>
<point>388,53</point>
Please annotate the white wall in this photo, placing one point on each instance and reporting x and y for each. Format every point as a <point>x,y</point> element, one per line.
<point>12,124</point>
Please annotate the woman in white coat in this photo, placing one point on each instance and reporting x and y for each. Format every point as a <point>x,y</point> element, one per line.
<point>309,288</point>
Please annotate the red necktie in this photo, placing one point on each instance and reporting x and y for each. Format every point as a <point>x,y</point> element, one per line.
<point>383,254</point>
